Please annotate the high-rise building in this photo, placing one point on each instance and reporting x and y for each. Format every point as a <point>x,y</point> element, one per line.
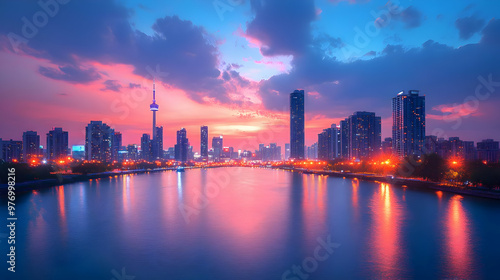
<point>57,144</point>
<point>329,144</point>
<point>204,142</point>
<point>146,147</point>
<point>387,146</point>
<point>158,153</point>
<point>325,144</point>
<point>132,152</point>
<point>312,151</point>
<point>470,151</point>
<point>217,144</point>
<point>182,146</point>
<point>488,151</point>
<point>363,135</point>
<point>344,138</point>
<point>116,144</point>
<point>31,145</point>
<point>287,151</point>
<point>98,141</point>
<point>408,123</point>
<point>11,150</point>
<point>297,133</point>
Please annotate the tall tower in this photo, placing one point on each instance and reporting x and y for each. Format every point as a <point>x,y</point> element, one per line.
<point>297,124</point>
<point>408,123</point>
<point>154,141</point>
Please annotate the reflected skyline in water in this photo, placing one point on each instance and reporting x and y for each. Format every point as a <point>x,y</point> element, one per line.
<point>250,223</point>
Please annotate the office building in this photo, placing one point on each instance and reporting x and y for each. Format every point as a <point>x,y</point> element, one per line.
<point>57,144</point>
<point>297,133</point>
<point>146,147</point>
<point>408,123</point>
<point>217,145</point>
<point>182,146</point>
<point>204,142</point>
<point>488,151</point>
<point>363,135</point>
<point>98,141</point>
<point>31,146</point>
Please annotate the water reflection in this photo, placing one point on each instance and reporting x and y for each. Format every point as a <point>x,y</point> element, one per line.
<point>386,250</point>
<point>458,241</point>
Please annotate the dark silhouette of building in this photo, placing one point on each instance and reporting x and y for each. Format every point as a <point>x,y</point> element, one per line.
<point>488,150</point>
<point>11,150</point>
<point>98,141</point>
<point>408,123</point>
<point>158,144</point>
<point>204,142</point>
<point>217,145</point>
<point>31,145</point>
<point>387,146</point>
<point>182,146</point>
<point>132,153</point>
<point>363,133</point>
<point>146,147</point>
<point>57,144</point>
<point>329,143</point>
<point>297,124</point>
<point>117,143</point>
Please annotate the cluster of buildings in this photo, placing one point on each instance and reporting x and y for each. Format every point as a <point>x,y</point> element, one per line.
<point>357,137</point>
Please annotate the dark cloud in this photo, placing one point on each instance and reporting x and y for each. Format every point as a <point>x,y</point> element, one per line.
<point>282,26</point>
<point>411,17</point>
<point>491,33</point>
<point>468,26</point>
<point>70,73</point>
<point>132,85</point>
<point>112,85</point>
<point>445,74</point>
<point>179,52</point>
<point>370,53</point>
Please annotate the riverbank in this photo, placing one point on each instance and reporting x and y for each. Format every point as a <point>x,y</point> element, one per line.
<point>403,182</point>
<point>73,178</point>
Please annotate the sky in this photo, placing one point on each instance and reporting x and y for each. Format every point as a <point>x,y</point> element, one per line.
<point>231,65</point>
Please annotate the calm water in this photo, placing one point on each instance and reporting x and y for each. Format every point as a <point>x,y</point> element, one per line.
<point>249,223</point>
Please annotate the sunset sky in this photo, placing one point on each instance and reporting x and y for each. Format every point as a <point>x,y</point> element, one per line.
<point>231,64</point>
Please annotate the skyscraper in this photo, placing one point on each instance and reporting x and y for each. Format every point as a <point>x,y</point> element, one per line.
<point>204,142</point>
<point>98,141</point>
<point>181,148</point>
<point>158,154</point>
<point>11,150</point>
<point>363,133</point>
<point>344,138</point>
<point>217,144</point>
<point>132,152</point>
<point>408,124</point>
<point>325,144</point>
<point>146,147</point>
<point>116,145</point>
<point>57,144</point>
<point>31,145</point>
<point>297,124</point>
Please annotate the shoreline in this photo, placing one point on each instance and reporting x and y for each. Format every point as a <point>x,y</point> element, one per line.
<point>408,182</point>
<point>75,178</point>
<point>401,182</point>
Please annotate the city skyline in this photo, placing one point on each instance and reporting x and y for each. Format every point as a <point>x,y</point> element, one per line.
<point>239,92</point>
